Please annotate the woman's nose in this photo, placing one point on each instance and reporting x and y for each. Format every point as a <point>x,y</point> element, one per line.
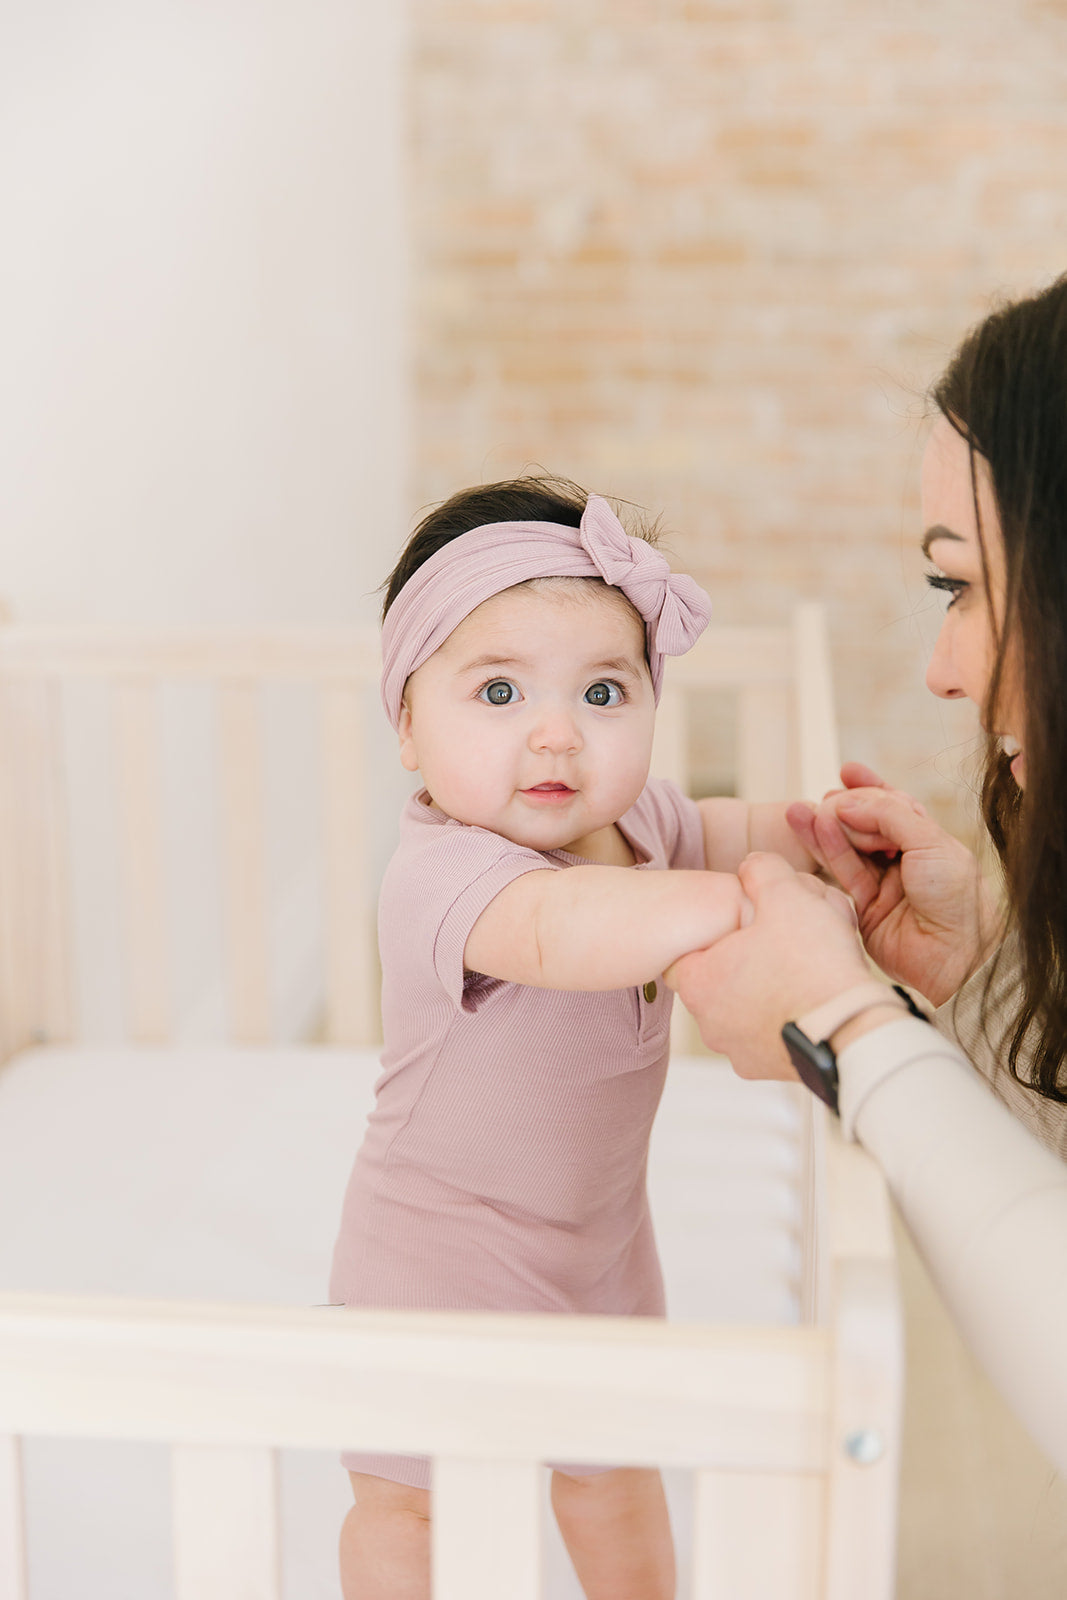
<point>942,677</point>
<point>556,731</point>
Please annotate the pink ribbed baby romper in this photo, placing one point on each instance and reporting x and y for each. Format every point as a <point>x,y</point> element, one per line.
<point>503,1166</point>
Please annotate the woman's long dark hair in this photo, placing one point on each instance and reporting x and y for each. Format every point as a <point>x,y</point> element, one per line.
<point>1005,392</point>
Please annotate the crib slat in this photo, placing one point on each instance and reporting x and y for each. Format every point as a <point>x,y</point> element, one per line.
<point>670,746</point>
<point>670,759</point>
<point>350,955</point>
<point>486,1530</point>
<point>764,742</point>
<point>35,983</point>
<point>758,1536</point>
<point>244,865</point>
<point>814,1248</point>
<point>140,836</point>
<point>225,1524</point>
<point>13,1581</point>
<point>816,726</point>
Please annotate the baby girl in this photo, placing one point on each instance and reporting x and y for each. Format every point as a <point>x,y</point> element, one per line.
<point>541,886</point>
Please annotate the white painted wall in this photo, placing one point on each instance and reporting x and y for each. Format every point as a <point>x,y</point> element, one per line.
<point>202,353</point>
<point>203,378</point>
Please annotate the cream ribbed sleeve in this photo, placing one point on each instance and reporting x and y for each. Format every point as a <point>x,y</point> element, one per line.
<point>985,1202</point>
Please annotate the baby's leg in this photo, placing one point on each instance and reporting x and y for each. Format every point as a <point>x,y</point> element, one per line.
<point>385,1541</point>
<point>616,1527</point>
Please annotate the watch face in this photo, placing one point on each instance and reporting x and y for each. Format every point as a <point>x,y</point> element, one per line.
<point>816,1064</point>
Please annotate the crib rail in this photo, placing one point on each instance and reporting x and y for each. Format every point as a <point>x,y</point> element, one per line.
<point>487,1397</point>
<point>791,1432</point>
<point>785,745</point>
<point>37,665</point>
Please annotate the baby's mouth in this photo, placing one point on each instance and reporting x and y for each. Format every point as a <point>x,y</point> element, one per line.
<point>548,792</point>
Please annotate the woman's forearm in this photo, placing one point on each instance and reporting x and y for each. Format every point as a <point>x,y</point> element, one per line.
<point>596,927</point>
<point>985,1202</point>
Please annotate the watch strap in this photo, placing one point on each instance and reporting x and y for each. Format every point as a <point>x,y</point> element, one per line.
<point>822,1022</point>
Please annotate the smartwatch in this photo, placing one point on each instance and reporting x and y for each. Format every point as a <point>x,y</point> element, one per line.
<point>807,1039</point>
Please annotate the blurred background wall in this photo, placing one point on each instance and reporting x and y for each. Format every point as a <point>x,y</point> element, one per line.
<point>204,401</point>
<point>707,255</point>
<point>203,407</point>
<point>702,254</point>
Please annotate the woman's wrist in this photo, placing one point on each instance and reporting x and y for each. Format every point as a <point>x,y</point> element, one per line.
<point>827,1022</point>
<point>889,1010</point>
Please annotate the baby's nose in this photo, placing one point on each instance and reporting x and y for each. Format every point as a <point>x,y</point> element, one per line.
<point>556,730</point>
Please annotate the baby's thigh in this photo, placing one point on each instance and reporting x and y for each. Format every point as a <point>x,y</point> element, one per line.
<point>389,1497</point>
<point>385,1541</point>
<point>617,1531</point>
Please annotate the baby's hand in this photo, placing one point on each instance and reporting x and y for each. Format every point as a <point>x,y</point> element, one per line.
<point>731,907</point>
<point>847,807</point>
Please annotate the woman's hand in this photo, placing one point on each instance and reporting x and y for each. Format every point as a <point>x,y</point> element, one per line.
<point>925,913</point>
<point>799,948</point>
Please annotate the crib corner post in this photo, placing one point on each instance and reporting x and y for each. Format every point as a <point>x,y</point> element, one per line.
<point>13,1575</point>
<point>868,1381</point>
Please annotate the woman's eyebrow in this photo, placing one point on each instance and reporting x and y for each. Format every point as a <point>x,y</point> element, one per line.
<point>938,532</point>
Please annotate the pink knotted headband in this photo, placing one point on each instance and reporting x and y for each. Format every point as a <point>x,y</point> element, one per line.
<point>487,560</point>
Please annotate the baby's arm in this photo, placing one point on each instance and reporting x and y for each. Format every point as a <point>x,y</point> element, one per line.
<point>733,828</point>
<point>600,927</point>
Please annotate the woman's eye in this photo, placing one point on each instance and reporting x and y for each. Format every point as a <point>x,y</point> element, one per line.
<point>498,693</point>
<point>953,587</point>
<point>604,694</point>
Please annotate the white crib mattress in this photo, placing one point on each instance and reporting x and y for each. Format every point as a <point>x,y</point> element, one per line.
<point>217,1173</point>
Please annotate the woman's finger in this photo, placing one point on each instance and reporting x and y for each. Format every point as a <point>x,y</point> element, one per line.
<point>761,870</point>
<point>845,908</point>
<point>857,775</point>
<point>857,875</point>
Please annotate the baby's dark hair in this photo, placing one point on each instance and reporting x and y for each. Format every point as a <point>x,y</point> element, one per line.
<point>537,498</point>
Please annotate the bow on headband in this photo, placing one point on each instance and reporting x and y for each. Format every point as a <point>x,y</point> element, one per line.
<point>487,560</point>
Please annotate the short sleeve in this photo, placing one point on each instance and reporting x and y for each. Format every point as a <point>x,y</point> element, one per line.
<point>459,918</point>
<point>436,887</point>
<point>676,823</point>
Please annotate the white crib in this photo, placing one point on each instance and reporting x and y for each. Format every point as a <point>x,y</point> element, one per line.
<point>791,1432</point>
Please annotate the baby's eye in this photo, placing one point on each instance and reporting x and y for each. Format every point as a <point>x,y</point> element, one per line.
<point>950,586</point>
<point>498,693</point>
<point>604,694</point>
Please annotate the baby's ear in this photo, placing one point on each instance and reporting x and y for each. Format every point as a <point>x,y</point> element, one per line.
<point>409,756</point>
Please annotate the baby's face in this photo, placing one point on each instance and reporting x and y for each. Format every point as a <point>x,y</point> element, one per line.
<point>535,717</point>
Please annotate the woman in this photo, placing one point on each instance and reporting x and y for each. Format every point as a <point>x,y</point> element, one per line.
<point>980,1179</point>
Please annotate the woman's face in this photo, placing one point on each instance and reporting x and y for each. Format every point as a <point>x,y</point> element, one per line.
<point>965,652</point>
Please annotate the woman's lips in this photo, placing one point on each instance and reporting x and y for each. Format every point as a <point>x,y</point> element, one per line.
<point>547,794</point>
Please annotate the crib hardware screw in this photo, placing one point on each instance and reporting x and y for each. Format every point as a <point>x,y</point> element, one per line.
<point>865,1446</point>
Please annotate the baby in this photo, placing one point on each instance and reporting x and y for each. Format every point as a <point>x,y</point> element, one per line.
<point>525,921</point>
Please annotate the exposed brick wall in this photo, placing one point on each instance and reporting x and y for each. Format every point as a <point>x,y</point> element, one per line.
<point>707,257</point>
